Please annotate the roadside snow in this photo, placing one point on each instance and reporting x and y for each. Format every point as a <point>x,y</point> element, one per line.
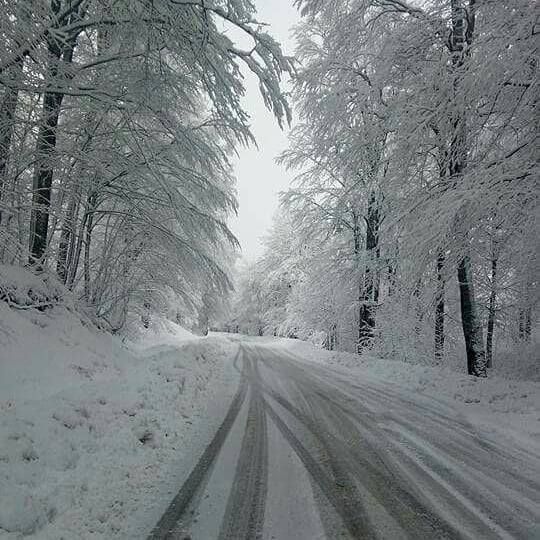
<point>95,437</point>
<point>505,407</point>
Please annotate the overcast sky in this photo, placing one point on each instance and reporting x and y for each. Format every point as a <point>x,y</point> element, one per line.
<point>260,179</point>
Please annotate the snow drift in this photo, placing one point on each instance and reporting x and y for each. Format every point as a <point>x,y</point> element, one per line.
<point>95,435</point>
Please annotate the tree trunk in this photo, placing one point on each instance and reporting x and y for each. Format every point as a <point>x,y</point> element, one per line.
<point>443,163</point>
<point>60,54</point>
<point>491,312</point>
<point>10,100</point>
<point>45,146</point>
<point>87,242</point>
<point>43,176</point>
<point>472,329</point>
<point>392,269</point>
<point>7,124</point>
<point>357,242</point>
<point>67,235</point>
<point>439,308</point>
<point>67,250</point>
<point>463,20</point>
<point>370,285</point>
<point>73,265</point>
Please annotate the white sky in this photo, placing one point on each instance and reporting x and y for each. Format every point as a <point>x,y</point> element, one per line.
<point>259,178</point>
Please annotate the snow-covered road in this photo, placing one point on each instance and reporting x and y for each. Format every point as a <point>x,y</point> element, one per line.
<point>304,452</point>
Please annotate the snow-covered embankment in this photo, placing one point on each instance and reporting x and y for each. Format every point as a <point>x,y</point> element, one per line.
<point>95,437</point>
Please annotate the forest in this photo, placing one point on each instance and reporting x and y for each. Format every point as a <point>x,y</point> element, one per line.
<point>269,269</point>
<point>117,120</point>
<point>411,228</point>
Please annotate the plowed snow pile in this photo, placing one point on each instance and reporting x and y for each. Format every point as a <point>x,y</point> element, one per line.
<point>95,436</point>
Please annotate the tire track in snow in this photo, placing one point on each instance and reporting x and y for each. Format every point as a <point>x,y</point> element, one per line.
<point>244,515</point>
<point>326,467</point>
<point>460,467</point>
<point>342,496</point>
<point>176,514</point>
<point>410,513</point>
<point>480,514</point>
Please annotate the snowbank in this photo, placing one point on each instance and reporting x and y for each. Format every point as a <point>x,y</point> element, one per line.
<point>160,333</point>
<point>95,436</point>
<point>506,407</point>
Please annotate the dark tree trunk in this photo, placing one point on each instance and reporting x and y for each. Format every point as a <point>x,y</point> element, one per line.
<point>75,257</point>
<point>87,243</point>
<point>60,52</point>
<point>45,146</point>
<point>86,263</point>
<point>439,308</point>
<point>67,236</point>
<point>357,248</point>
<point>66,249</point>
<point>472,330</point>
<point>43,176</point>
<point>377,274</point>
<point>491,313</point>
<point>443,163</point>
<point>10,99</point>
<point>7,124</point>
<point>370,289</point>
<point>392,270</point>
<point>463,20</point>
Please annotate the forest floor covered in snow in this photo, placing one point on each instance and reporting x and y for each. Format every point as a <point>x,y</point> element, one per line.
<point>501,404</point>
<point>95,435</point>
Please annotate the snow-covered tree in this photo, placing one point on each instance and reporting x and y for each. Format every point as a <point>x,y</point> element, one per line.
<point>116,123</point>
<point>416,150</point>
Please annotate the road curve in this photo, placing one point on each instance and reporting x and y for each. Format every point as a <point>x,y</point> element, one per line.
<point>318,456</point>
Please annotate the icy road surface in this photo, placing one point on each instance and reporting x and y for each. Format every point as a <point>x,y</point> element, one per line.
<point>304,453</point>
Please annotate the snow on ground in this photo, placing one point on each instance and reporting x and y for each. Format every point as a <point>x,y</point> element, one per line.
<point>505,407</point>
<point>95,436</point>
